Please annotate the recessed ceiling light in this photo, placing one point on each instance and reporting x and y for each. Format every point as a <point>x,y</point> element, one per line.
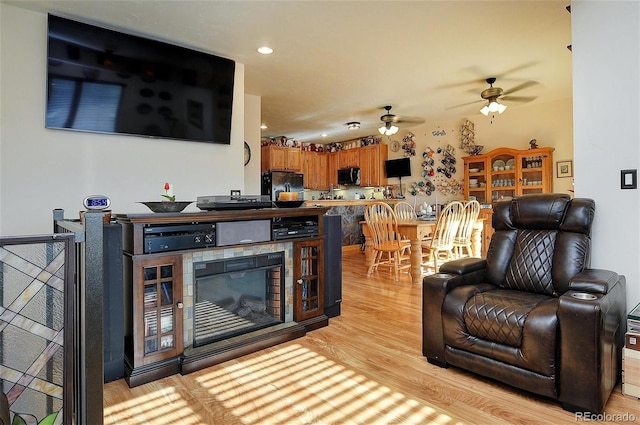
<point>264,127</point>
<point>324,134</point>
<point>265,50</point>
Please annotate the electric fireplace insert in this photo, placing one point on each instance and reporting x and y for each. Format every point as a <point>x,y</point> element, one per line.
<point>234,296</point>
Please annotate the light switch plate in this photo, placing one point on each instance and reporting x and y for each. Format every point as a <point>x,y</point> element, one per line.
<point>628,179</point>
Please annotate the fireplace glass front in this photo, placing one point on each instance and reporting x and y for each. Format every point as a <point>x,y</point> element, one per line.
<point>235,296</point>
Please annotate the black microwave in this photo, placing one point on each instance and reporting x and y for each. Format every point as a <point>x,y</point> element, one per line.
<point>349,177</point>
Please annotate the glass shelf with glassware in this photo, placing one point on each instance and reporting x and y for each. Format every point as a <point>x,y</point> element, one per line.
<point>508,172</point>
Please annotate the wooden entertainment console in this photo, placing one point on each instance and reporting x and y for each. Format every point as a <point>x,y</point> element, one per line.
<point>159,253</point>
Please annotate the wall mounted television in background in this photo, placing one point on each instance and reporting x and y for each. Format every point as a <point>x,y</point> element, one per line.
<point>400,167</point>
<point>104,81</point>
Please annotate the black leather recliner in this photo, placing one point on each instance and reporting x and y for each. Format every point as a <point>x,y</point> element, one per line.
<point>533,314</point>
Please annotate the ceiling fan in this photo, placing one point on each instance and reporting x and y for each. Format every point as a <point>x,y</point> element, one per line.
<point>492,94</point>
<point>389,121</point>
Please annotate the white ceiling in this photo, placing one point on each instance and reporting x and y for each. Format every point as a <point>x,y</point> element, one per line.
<point>341,61</point>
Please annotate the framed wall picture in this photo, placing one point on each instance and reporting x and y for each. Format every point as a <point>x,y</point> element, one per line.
<point>564,169</point>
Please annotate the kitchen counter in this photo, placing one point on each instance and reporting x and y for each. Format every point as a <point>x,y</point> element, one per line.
<point>347,202</point>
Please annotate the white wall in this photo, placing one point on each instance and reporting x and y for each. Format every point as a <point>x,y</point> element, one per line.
<point>606,89</point>
<point>252,120</point>
<point>43,169</point>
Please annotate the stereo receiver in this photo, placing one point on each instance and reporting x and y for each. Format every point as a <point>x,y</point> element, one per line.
<point>164,238</point>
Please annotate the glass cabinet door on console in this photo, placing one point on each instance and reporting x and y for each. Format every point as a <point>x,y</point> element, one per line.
<point>157,309</point>
<point>308,272</point>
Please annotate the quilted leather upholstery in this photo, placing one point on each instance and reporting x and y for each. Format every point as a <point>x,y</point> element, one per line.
<point>498,316</point>
<point>530,267</point>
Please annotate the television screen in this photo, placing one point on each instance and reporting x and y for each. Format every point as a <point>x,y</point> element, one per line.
<point>400,167</point>
<point>105,81</point>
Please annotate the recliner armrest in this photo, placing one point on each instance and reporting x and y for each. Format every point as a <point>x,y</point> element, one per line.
<point>592,329</point>
<point>465,271</point>
<point>463,266</point>
<point>594,280</point>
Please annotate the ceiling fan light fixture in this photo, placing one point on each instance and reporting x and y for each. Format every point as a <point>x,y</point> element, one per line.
<point>492,107</point>
<point>388,129</point>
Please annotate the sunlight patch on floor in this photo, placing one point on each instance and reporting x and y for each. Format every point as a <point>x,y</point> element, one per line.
<point>164,406</point>
<point>294,385</point>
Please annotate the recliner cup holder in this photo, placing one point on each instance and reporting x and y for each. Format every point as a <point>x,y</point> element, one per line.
<point>583,296</point>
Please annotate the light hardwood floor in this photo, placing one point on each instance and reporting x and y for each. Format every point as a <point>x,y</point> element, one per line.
<point>366,367</point>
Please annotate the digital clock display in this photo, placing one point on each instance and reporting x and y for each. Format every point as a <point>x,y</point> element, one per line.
<point>96,202</point>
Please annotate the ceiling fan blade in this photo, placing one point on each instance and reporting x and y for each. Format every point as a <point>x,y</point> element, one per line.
<point>518,98</point>
<point>522,86</point>
<point>464,104</point>
<point>505,75</point>
<point>409,120</point>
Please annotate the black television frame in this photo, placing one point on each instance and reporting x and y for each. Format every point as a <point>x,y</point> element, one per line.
<point>146,87</point>
<point>399,167</point>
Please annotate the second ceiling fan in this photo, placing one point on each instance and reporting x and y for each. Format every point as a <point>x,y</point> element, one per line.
<point>389,121</point>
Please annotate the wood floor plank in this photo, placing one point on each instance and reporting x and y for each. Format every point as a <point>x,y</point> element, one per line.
<point>366,367</point>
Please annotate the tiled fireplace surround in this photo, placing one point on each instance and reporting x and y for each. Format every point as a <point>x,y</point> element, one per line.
<point>188,259</point>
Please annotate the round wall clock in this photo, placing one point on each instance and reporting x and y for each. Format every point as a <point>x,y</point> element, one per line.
<point>247,153</point>
<point>395,145</point>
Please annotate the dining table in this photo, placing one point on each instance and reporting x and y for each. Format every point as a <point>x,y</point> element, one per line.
<point>416,230</point>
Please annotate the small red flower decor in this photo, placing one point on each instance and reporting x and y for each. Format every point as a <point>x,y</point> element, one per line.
<point>168,193</point>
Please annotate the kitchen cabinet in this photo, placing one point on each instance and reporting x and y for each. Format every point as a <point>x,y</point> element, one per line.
<point>372,159</point>
<point>315,168</point>
<point>280,158</point>
<point>308,271</point>
<point>155,288</point>
<point>505,172</point>
<point>349,158</point>
<point>332,168</point>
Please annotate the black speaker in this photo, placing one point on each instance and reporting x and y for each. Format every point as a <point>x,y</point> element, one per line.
<point>113,306</point>
<point>241,232</point>
<point>332,265</point>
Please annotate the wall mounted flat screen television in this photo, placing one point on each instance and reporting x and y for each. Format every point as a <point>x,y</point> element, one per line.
<point>100,80</point>
<point>400,167</point>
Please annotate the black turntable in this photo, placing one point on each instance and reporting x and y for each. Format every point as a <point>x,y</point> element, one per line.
<point>233,202</point>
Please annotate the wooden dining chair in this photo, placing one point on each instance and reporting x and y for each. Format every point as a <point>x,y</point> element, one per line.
<point>404,211</point>
<point>462,241</point>
<point>439,248</point>
<point>389,247</point>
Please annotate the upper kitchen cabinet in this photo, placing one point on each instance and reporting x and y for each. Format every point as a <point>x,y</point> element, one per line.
<point>372,159</point>
<point>315,168</point>
<point>349,158</point>
<point>332,168</point>
<point>281,158</point>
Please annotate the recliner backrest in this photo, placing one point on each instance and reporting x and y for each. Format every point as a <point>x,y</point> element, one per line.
<point>540,242</point>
